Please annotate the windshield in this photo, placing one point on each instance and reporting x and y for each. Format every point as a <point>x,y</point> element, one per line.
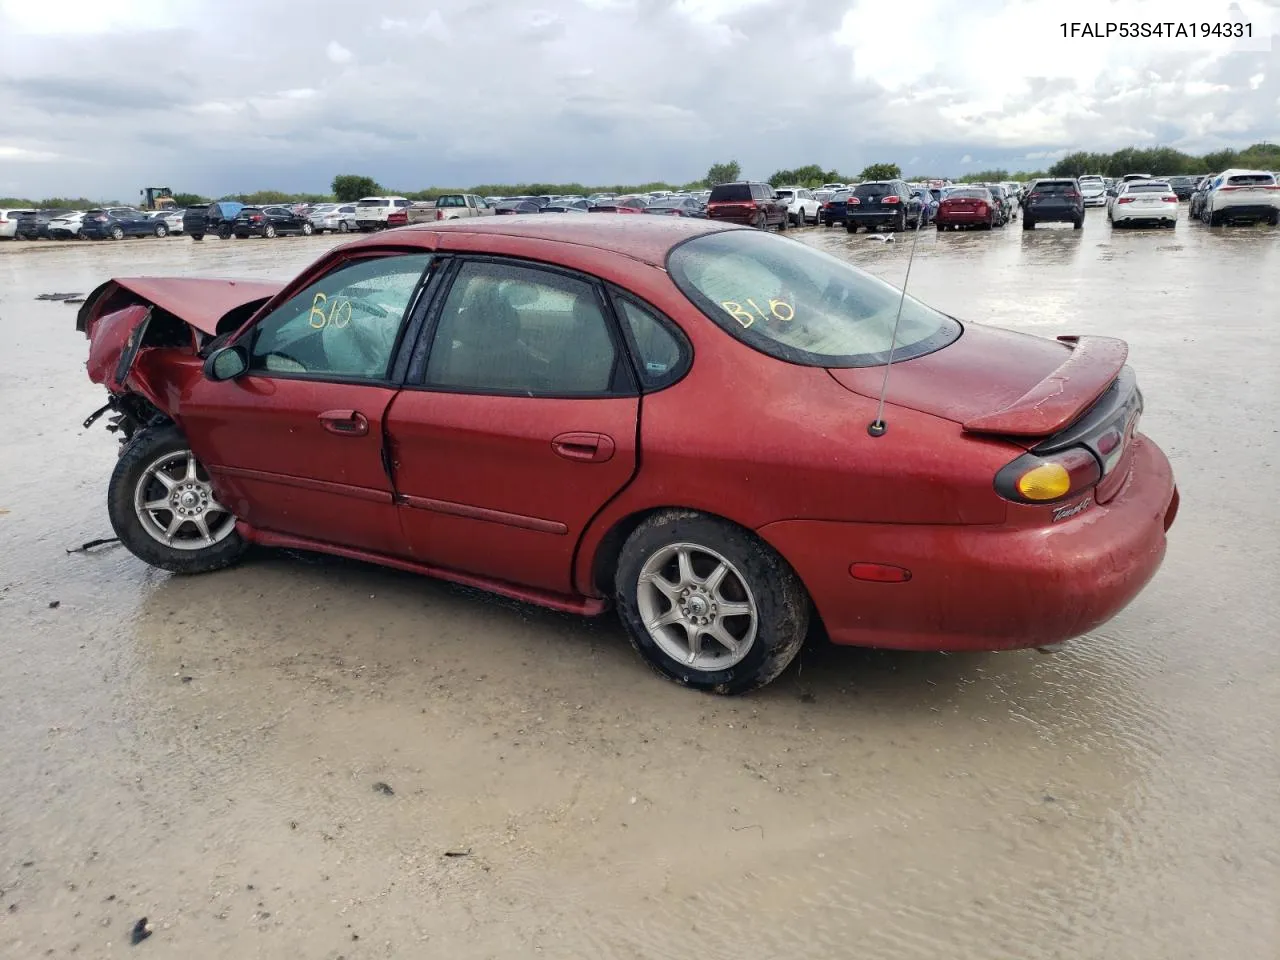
<point>452,200</point>
<point>798,304</point>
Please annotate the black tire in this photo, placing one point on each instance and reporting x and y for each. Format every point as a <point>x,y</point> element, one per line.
<point>762,222</point>
<point>1274,219</point>
<point>269,232</point>
<point>1028,223</point>
<point>161,230</point>
<point>197,236</point>
<point>784,223</point>
<point>1078,224</point>
<point>342,226</point>
<point>1215,220</point>
<point>900,225</point>
<point>224,233</point>
<point>850,226</point>
<point>141,452</point>
<point>938,226</point>
<point>782,604</point>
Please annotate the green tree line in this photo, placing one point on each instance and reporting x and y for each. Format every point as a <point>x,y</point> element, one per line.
<point>347,187</point>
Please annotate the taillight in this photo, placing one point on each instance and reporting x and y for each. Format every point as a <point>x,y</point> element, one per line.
<point>1034,195</point>
<point>99,219</point>
<point>1124,200</point>
<point>1036,479</point>
<point>1172,199</point>
<point>892,198</point>
<point>982,206</point>
<point>439,214</point>
<point>854,201</point>
<point>256,217</point>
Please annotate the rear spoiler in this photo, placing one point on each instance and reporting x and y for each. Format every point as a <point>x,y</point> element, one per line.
<point>1063,395</point>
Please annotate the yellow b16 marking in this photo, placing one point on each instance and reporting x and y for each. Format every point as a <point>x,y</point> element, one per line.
<point>338,314</point>
<point>779,309</point>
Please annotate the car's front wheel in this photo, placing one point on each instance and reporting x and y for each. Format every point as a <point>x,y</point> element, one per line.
<point>709,605</point>
<point>117,233</point>
<point>307,229</point>
<point>342,226</point>
<point>163,508</point>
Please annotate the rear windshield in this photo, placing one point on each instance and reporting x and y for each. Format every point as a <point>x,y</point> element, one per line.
<point>1084,180</point>
<point>1148,186</point>
<point>373,203</point>
<point>453,200</point>
<point>731,192</point>
<point>785,194</point>
<point>797,304</point>
<point>969,193</point>
<point>840,196</point>
<point>1251,180</point>
<point>1055,186</point>
<point>873,190</point>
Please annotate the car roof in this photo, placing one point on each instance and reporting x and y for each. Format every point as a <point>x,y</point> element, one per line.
<point>647,239</point>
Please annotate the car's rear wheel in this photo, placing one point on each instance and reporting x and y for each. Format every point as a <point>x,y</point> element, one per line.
<point>1028,223</point>
<point>197,236</point>
<point>1274,219</point>
<point>307,229</point>
<point>164,510</point>
<point>709,605</point>
<point>269,231</point>
<point>342,226</point>
<point>161,230</point>
<point>762,222</point>
<point>851,227</point>
<point>1078,224</point>
<point>900,224</point>
<point>784,223</point>
<point>224,233</point>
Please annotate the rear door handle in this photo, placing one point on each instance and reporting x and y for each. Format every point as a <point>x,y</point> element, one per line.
<point>586,447</point>
<point>345,423</point>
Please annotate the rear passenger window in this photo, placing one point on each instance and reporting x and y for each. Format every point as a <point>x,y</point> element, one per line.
<point>512,329</point>
<point>660,355</point>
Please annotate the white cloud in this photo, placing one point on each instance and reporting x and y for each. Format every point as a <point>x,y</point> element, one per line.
<point>1257,80</point>
<point>23,155</point>
<point>337,52</point>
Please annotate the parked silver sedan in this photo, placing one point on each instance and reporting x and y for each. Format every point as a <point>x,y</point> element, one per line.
<point>340,218</point>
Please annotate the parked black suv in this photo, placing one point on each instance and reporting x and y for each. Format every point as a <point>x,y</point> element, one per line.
<point>269,222</point>
<point>1053,201</point>
<point>35,226</point>
<point>749,202</point>
<point>879,203</point>
<point>213,218</point>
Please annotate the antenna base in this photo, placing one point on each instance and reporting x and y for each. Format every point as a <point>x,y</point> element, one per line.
<point>877,428</point>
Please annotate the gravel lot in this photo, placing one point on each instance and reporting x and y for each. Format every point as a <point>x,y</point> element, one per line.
<point>279,760</point>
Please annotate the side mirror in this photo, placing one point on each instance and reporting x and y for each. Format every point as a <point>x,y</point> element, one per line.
<point>226,363</point>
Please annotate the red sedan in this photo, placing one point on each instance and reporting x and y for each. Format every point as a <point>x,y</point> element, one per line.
<point>967,207</point>
<point>674,415</point>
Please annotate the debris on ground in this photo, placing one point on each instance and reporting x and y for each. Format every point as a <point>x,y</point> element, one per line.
<point>85,547</point>
<point>384,789</point>
<point>458,853</point>
<point>141,930</point>
<point>57,296</point>
<point>54,604</point>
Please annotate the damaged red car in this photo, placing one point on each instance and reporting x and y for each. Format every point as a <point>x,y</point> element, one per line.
<point>675,416</point>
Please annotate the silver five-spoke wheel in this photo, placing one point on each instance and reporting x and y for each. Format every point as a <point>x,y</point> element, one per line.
<point>697,606</point>
<point>176,506</point>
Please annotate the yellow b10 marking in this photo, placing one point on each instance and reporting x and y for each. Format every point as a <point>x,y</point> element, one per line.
<point>339,313</point>
<point>779,309</point>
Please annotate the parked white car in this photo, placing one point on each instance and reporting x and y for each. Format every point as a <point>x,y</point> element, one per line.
<point>67,227</point>
<point>9,221</point>
<point>1093,189</point>
<point>379,213</point>
<point>172,219</point>
<point>802,206</point>
<point>334,217</point>
<point>1144,201</point>
<point>1242,195</point>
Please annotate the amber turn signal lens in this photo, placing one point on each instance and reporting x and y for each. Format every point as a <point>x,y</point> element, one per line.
<point>1049,481</point>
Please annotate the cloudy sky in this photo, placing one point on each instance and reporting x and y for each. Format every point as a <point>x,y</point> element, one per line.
<point>101,97</point>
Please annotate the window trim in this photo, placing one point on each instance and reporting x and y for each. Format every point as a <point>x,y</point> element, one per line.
<point>249,330</point>
<point>624,362</point>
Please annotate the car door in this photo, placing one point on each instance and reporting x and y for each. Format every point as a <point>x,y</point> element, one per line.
<point>296,443</point>
<point>517,423</point>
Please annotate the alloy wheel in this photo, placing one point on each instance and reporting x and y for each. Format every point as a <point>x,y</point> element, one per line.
<point>697,606</point>
<point>176,506</point>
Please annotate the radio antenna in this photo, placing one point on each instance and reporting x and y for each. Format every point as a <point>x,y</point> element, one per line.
<point>877,427</point>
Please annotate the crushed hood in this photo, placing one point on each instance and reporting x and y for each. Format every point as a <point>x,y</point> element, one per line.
<point>198,301</point>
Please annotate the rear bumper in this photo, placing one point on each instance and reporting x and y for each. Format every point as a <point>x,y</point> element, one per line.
<point>1099,201</point>
<point>748,218</point>
<point>861,217</point>
<point>962,218</point>
<point>1245,211</point>
<point>987,587</point>
<point>1127,213</point>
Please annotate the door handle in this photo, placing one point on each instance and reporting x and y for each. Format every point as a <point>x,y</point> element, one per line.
<point>586,447</point>
<point>345,423</point>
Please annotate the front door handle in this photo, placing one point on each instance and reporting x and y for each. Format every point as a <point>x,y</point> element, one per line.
<point>586,447</point>
<point>345,423</point>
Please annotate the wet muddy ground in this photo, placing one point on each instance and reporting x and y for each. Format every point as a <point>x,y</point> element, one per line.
<point>279,760</point>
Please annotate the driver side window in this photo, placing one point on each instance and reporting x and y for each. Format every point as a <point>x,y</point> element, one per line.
<point>343,326</point>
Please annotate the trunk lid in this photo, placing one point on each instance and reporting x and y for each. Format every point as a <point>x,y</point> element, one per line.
<point>1000,382</point>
